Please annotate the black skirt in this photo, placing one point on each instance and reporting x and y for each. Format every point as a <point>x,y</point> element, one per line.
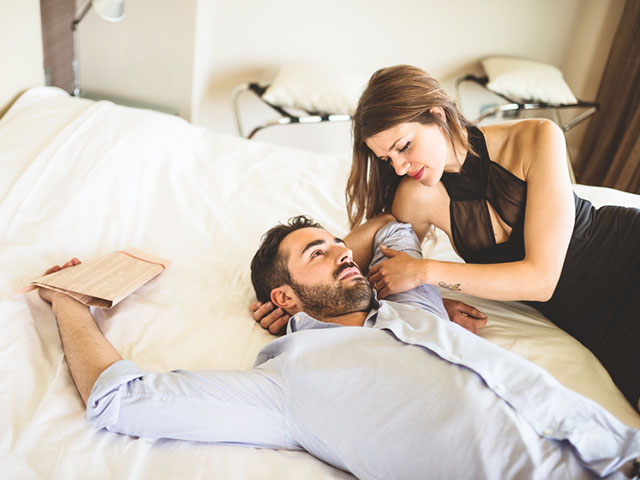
<point>597,299</point>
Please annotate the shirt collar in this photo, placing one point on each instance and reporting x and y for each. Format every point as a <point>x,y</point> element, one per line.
<point>302,321</point>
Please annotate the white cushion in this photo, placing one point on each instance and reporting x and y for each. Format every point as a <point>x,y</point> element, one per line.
<point>316,89</point>
<point>527,80</point>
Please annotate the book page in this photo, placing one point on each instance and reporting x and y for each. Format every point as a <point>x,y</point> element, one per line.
<point>106,280</point>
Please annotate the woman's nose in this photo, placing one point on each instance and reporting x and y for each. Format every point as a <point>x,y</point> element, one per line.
<point>401,166</point>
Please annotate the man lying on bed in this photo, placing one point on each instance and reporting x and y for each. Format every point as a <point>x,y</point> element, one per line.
<point>388,389</point>
<point>359,241</point>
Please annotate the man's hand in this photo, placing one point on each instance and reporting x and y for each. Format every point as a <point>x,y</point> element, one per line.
<point>269,317</point>
<point>46,294</point>
<point>465,315</point>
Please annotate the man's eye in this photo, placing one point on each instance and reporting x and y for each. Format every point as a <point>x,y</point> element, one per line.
<point>406,145</point>
<point>316,253</point>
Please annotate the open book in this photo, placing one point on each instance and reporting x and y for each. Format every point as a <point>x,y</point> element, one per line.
<point>105,281</point>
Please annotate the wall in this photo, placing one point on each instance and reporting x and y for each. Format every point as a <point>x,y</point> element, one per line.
<point>248,40</point>
<point>147,56</point>
<point>193,53</point>
<point>20,48</point>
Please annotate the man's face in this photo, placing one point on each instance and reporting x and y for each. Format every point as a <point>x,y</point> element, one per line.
<point>323,274</point>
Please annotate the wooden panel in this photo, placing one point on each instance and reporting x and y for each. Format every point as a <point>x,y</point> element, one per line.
<point>57,40</point>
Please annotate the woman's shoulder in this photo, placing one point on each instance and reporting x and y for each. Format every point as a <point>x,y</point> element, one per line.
<point>515,144</point>
<point>526,131</point>
<point>415,202</point>
<point>410,188</point>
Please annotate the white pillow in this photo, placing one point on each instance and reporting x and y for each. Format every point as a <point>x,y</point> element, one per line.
<point>527,80</point>
<point>316,89</point>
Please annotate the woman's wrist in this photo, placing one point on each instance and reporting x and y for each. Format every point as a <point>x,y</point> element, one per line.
<point>427,271</point>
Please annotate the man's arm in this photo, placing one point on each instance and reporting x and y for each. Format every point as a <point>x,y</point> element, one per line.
<point>87,351</point>
<point>238,407</point>
<point>403,241</point>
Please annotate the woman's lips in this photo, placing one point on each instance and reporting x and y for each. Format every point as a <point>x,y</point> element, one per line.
<point>418,175</point>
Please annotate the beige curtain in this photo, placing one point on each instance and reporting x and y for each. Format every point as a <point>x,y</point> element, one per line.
<point>610,151</point>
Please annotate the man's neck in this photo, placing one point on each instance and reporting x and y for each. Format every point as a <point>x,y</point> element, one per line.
<point>355,319</point>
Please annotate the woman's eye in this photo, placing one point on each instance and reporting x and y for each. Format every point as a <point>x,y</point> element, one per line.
<point>406,145</point>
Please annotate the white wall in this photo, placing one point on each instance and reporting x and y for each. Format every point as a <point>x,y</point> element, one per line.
<point>192,53</point>
<point>147,56</point>
<point>248,40</point>
<point>20,48</point>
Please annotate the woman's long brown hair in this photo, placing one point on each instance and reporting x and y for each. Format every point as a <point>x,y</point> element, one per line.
<point>394,95</point>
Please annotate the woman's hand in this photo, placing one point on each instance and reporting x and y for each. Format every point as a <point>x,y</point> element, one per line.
<point>269,317</point>
<point>46,294</point>
<point>401,272</point>
<point>465,315</point>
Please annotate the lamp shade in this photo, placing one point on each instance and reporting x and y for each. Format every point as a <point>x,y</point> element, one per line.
<point>111,10</point>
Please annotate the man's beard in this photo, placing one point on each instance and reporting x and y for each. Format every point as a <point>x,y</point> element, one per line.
<point>333,300</point>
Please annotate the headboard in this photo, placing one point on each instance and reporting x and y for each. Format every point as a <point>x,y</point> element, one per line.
<point>21,57</point>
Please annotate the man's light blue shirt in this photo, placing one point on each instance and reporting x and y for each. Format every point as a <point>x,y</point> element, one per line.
<point>409,395</point>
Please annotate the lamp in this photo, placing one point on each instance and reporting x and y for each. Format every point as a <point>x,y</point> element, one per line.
<point>110,10</point>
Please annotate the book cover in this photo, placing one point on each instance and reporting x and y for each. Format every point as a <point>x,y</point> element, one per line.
<point>105,281</point>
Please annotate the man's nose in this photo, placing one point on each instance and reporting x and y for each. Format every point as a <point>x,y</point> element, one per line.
<point>345,255</point>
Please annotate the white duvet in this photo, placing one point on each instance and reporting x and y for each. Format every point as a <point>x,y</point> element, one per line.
<point>80,178</point>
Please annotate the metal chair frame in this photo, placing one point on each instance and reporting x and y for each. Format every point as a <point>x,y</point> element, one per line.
<point>517,105</point>
<point>287,117</point>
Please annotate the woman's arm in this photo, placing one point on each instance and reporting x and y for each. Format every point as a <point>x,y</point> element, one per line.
<point>420,206</point>
<point>360,239</point>
<point>549,219</point>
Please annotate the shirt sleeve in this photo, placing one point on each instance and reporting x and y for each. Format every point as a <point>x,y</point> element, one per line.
<point>401,237</point>
<point>231,407</point>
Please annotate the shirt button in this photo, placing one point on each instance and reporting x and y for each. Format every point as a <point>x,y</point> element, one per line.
<point>547,431</point>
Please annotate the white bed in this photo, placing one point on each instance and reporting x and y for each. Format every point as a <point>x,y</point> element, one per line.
<point>81,178</point>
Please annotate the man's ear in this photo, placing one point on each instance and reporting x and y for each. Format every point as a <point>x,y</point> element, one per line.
<point>285,298</point>
<point>438,112</point>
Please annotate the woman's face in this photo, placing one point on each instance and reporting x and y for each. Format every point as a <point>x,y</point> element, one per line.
<point>420,151</point>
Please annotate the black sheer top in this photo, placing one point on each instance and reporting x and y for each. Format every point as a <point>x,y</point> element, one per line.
<point>480,181</point>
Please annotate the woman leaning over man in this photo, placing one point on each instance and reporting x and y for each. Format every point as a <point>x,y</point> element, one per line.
<point>502,194</point>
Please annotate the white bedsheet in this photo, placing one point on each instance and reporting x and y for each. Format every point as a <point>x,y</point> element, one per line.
<point>82,179</point>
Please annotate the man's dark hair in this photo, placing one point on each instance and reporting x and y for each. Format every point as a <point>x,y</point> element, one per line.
<point>268,267</point>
